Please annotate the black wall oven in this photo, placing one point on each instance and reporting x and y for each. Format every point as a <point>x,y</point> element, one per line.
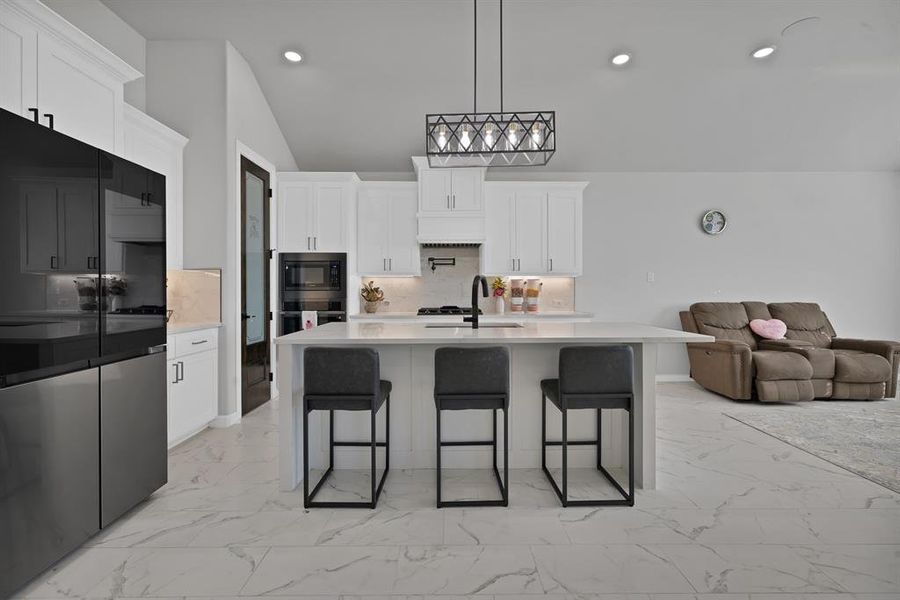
<point>312,282</point>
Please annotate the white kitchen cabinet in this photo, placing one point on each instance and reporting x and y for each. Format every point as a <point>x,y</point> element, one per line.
<point>155,146</point>
<point>18,62</point>
<point>387,243</point>
<point>450,190</point>
<point>193,398</point>
<point>314,213</point>
<point>48,64</point>
<point>533,228</point>
<point>59,220</point>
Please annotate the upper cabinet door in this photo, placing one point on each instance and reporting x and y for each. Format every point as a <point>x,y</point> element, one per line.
<point>39,226</point>
<point>563,234</point>
<point>85,102</point>
<point>330,232</point>
<point>78,235</point>
<point>436,189</point>
<point>530,240</point>
<point>403,247</point>
<point>374,217</point>
<point>295,216</point>
<point>499,229</point>
<point>18,64</point>
<point>465,189</point>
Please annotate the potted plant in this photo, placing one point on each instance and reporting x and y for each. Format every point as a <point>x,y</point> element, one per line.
<point>498,291</point>
<point>373,295</point>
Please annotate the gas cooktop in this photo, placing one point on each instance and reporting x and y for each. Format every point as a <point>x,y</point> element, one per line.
<point>446,310</point>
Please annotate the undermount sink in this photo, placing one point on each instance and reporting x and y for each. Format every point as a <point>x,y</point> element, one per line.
<point>468,326</point>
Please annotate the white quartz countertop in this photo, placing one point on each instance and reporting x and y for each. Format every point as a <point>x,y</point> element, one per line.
<point>485,318</point>
<point>189,327</point>
<point>540,332</point>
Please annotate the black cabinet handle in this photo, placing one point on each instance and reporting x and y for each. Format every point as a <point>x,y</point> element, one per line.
<point>53,261</point>
<point>34,113</point>
<point>49,118</point>
<point>176,372</point>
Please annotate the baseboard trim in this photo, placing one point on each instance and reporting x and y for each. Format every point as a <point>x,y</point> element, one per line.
<point>673,378</point>
<point>223,421</point>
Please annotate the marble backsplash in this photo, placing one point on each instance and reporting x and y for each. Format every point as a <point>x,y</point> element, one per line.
<point>453,285</point>
<point>195,296</point>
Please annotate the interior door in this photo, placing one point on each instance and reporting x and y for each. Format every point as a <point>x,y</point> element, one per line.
<point>255,306</point>
<point>530,231</point>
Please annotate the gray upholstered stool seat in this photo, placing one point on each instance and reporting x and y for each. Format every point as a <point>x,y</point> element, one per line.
<point>336,379</point>
<point>473,379</point>
<point>590,377</point>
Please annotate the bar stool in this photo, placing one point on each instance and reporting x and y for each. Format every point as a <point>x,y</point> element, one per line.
<point>473,379</point>
<point>344,379</point>
<point>590,377</point>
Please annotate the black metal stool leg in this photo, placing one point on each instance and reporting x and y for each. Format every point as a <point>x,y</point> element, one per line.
<point>565,458</point>
<point>599,438</point>
<point>305,456</point>
<point>631,456</point>
<point>374,442</point>
<point>438,454</point>
<point>506,456</point>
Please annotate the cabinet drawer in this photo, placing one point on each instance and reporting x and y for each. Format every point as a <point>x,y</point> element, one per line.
<point>195,341</point>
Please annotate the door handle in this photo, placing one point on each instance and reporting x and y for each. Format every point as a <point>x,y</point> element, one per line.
<point>551,264</point>
<point>453,206</point>
<point>448,201</point>
<point>181,364</point>
<point>316,243</point>
<point>308,243</point>
<point>384,264</point>
<point>53,262</point>
<point>34,114</point>
<point>390,264</point>
<point>198,342</point>
<point>176,372</point>
<point>49,118</point>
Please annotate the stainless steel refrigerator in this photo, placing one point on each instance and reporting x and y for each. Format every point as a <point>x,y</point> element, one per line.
<point>82,340</point>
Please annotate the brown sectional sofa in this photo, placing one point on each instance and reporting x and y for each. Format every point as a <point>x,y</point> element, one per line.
<point>811,362</point>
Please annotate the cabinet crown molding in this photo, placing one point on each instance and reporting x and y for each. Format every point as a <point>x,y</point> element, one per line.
<point>64,32</point>
<point>150,125</point>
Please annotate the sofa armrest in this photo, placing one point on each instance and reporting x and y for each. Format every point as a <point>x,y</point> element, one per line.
<point>887,349</point>
<point>724,367</point>
<point>783,344</point>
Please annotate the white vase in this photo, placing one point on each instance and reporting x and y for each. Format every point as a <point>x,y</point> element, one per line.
<point>499,305</point>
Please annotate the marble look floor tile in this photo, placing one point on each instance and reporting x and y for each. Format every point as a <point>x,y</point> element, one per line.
<point>584,569</point>
<point>325,570</point>
<point>153,529</point>
<point>620,525</point>
<point>858,568</point>
<point>513,526</point>
<point>746,568</point>
<point>364,527</point>
<point>261,529</point>
<point>117,573</point>
<point>467,570</point>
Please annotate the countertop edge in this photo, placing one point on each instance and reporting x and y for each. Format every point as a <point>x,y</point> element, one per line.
<point>189,327</point>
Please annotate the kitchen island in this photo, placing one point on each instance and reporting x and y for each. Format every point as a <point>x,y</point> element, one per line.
<point>406,354</point>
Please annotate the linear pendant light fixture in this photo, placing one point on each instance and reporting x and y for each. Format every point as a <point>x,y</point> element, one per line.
<point>493,139</point>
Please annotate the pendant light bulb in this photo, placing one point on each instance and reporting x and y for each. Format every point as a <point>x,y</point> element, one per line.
<point>536,136</point>
<point>442,137</point>
<point>513,136</point>
<point>489,137</point>
<point>464,140</point>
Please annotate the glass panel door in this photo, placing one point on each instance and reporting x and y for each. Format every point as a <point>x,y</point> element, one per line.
<point>255,351</point>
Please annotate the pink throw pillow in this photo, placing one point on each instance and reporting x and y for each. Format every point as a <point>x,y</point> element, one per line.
<point>773,329</point>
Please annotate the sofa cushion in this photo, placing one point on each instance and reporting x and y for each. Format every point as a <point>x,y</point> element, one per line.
<point>785,390</point>
<point>725,320</point>
<point>773,365</point>
<point>853,366</point>
<point>756,310</point>
<point>805,321</point>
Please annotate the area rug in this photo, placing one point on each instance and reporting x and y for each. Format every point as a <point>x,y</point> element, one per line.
<point>862,437</point>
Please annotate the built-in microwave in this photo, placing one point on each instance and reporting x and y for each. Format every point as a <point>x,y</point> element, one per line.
<point>313,272</point>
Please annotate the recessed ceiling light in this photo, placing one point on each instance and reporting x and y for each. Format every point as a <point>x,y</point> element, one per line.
<point>620,59</point>
<point>293,56</point>
<point>763,52</point>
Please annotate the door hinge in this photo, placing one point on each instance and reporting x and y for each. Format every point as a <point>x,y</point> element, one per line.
<point>271,253</point>
<point>270,192</point>
<point>271,377</point>
<point>271,316</point>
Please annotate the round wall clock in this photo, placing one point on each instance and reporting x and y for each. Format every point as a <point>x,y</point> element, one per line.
<point>713,222</point>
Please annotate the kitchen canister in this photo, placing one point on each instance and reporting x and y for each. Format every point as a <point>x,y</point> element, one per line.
<point>516,295</point>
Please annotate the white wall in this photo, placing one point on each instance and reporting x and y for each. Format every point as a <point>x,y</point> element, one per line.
<point>832,238</point>
<point>98,21</point>
<point>249,121</point>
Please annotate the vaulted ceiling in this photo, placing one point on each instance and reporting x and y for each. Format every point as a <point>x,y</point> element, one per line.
<point>691,100</point>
